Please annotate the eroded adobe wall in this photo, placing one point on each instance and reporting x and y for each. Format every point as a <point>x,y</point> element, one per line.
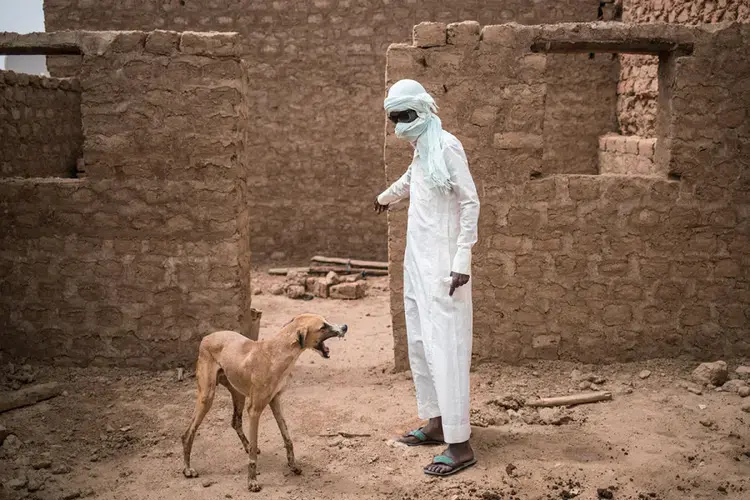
<point>596,267</point>
<point>40,125</point>
<point>134,263</point>
<point>637,94</point>
<point>316,89</point>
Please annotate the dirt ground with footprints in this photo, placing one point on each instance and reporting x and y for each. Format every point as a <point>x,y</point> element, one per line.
<point>114,433</point>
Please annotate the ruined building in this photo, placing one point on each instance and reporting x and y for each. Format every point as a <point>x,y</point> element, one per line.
<point>137,180</point>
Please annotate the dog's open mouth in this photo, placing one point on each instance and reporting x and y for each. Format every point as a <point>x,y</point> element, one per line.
<point>323,349</point>
<point>333,331</point>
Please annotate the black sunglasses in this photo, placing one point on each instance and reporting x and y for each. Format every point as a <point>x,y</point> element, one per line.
<point>406,116</point>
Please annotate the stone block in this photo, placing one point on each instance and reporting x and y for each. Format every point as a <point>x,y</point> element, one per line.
<point>348,291</point>
<point>428,34</point>
<point>646,147</point>
<point>318,287</point>
<point>210,44</point>
<point>464,33</point>
<point>162,42</point>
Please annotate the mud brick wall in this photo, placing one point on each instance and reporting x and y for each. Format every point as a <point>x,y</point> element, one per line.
<point>133,264</point>
<point>637,93</point>
<point>595,267</point>
<point>316,90</point>
<point>627,154</point>
<point>40,125</point>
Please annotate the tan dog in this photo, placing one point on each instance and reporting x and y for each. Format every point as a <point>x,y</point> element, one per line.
<point>255,372</point>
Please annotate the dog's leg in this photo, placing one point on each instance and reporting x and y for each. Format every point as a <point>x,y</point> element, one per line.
<point>276,409</point>
<point>205,376</point>
<point>238,406</point>
<point>253,416</point>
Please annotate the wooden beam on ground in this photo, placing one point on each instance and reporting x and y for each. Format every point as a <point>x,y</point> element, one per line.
<point>350,262</point>
<point>29,396</point>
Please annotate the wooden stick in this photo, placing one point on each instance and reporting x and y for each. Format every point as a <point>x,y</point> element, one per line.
<point>29,396</point>
<point>350,262</point>
<point>573,399</point>
<point>283,271</point>
<point>347,435</point>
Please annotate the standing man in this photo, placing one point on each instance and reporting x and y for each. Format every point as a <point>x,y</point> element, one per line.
<point>442,228</point>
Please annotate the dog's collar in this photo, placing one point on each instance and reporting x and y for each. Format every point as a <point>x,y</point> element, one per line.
<point>300,340</point>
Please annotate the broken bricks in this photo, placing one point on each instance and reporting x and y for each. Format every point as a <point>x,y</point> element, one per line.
<point>298,285</point>
<point>348,291</point>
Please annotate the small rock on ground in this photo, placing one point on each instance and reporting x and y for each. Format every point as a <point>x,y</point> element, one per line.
<point>743,372</point>
<point>715,373</point>
<point>643,375</point>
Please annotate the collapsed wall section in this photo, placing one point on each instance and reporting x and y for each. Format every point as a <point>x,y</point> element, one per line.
<point>134,263</point>
<point>595,268</point>
<point>316,92</point>
<point>40,125</point>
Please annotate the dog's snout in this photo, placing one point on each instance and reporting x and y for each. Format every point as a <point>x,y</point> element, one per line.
<point>344,328</point>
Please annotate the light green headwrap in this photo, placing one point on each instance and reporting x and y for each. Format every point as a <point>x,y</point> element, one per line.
<point>426,131</point>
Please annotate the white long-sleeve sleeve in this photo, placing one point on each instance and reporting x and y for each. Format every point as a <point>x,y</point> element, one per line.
<point>398,190</point>
<point>468,201</point>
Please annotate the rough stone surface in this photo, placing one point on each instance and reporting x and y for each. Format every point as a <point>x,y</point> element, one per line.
<point>743,372</point>
<point>319,288</point>
<point>348,291</point>
<point>637,99</point>
<point>309,60</point>
<point>429,34</point>
<point>40,125</point>
<point>585,267</point>
<point>295,291</point>
<point>134,263</point>
<point>734,385</point>
<point>711,373</point>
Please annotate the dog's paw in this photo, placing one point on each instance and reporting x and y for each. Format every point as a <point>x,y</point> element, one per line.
<point>189,473</point>
<point>254,486</point>
<point>295,469</point>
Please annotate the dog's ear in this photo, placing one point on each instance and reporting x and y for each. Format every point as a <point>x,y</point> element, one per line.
<point>301,336</point>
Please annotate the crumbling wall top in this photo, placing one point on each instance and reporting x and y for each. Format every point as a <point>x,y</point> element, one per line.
<point>651,38</point>
<point>216,44</point>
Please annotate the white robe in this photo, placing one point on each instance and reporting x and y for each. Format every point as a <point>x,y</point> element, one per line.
<point>442,228</point>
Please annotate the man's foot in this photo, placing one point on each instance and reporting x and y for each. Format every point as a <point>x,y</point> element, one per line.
<point>454,459</point>
<point>432,433</point>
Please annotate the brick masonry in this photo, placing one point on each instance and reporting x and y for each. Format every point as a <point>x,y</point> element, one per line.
<point>134,263</point>
<point>637,92</point>
<point>315,97</point>
<point>40,125</point>
<point>586,267</point>
<point>628,154</point>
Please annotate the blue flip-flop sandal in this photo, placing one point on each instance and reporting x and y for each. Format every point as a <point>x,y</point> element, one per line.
<point>424,440</point>
<point>455,467</point>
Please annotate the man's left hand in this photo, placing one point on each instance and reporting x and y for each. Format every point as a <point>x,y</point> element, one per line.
<point>458,280</point>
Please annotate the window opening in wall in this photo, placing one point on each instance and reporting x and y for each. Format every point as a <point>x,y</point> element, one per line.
<point>641,149</point>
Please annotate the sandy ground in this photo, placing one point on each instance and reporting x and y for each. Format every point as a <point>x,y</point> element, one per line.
<point>115,434</point>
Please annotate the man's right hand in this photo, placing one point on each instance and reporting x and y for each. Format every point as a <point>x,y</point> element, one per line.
<point>379,209</point>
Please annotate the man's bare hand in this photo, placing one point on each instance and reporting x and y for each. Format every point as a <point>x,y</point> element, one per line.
<point>379,209</point>
<point>458,280</point>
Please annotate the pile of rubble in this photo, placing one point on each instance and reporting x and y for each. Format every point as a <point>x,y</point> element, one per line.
<point>300,285</point>
<point>328,277</point>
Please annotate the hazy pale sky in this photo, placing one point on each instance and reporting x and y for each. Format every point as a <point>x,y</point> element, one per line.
<point>21,16</point>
